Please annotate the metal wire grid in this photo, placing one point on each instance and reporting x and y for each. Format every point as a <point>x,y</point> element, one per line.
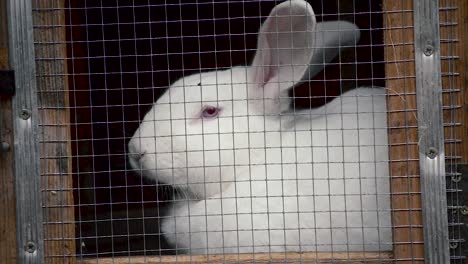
<point>113,67</point>
<point>53,101</point>
<point>452,122</point>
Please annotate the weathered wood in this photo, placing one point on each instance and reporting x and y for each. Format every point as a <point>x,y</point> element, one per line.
<point>454,25</point>
<point>453,33</point>
<point>54,125</point>
<point>403,134</point>
<point>290,257</point>
<point>8,253</point>
<point>462,51</point>
<point>7,186</point>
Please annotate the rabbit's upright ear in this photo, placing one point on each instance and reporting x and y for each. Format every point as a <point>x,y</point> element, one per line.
<point>284,50</point>
<point>330,38</point>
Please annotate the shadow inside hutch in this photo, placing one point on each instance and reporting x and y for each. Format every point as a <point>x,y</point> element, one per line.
<point>123,54</point>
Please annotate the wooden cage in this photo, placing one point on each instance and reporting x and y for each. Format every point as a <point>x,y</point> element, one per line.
<point>54,116</point>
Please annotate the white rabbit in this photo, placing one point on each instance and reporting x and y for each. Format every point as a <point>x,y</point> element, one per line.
<point>261,177</point>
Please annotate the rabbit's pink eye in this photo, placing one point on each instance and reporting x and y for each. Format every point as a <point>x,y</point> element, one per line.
<point>210,112</point>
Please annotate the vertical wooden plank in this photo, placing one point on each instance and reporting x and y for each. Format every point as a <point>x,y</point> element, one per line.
<point>454,28</point>
<point>8,254</point>
<point>403,134</point>
<point>461,47</point>
<point>54,124</point>
<point>453,18</point>
<point>454,25</point>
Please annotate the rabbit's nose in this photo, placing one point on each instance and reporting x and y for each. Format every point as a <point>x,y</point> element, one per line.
<point>136,156</point>
<point>134,152</point>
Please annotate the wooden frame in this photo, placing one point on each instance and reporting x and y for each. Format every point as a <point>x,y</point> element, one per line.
<point>7,186</point>
<point>454,59</point>
<point>57,181</point>
<point>289,257</point>
<point>54,127</point>
<point>403,134</point>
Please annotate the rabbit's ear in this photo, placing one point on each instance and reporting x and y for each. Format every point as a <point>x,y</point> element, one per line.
<point>330,38</point>
<point>284,50</point>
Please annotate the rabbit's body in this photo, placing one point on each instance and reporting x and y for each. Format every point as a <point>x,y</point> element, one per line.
<point>319,182</point>
<point>258,175</point>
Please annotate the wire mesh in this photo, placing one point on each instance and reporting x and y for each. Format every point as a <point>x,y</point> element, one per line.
<point>101,65</point>
<point>449,20</point>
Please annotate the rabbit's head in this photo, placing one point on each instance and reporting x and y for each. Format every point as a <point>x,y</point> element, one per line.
<point>198,133</point>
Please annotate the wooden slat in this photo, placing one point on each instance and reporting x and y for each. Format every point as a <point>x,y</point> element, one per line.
<point>290,257</point>
<point>403,135</point>
<point>461,47</point>
<point>7,187</point>
<point>452,76</point>
<point>54,124</point>
<point>454,67</point>
<point>8,254</point>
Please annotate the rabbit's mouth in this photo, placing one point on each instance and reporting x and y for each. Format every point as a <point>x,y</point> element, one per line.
<point>134,161</point>
<point>184,193</point>
<point>199,173</point>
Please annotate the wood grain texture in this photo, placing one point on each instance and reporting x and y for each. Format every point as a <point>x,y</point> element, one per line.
<point>461,47</point>
<point>290,257</point>
<point>454,28</point>
<point>8,246</point>
<point>8,254</point>
<point>7,185</point>
<point>454,25</point>
<point>453,65</point>
<point>54,125</point>
<point>403,134</point>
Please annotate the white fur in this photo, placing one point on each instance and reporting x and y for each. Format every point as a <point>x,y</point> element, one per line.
<point>260,177</point>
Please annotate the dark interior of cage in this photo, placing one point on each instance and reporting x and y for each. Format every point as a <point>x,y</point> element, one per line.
<point>124,54</point>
